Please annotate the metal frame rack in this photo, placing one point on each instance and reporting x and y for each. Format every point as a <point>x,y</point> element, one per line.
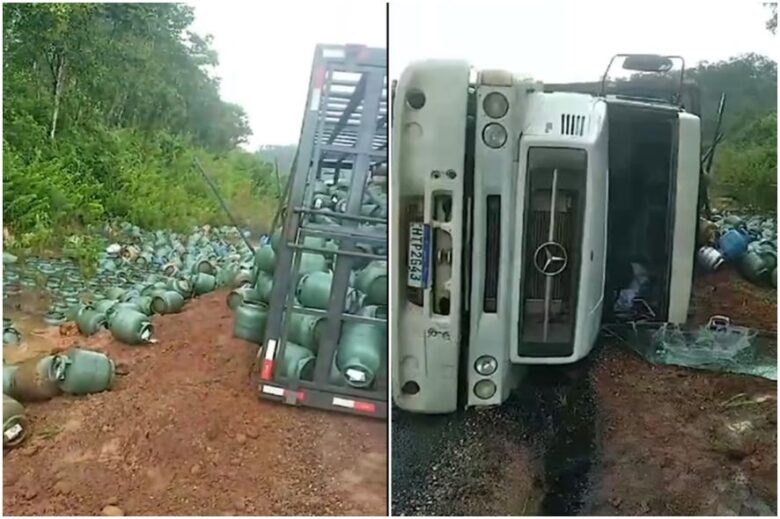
<point>344,137</point>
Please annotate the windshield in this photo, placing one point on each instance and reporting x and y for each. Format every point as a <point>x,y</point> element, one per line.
<point>644,77</point>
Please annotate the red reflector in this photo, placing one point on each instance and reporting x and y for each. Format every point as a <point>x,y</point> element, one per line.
<point>267,370</point>
<point>366,407</point>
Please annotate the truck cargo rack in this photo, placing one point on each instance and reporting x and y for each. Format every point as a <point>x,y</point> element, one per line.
<point>344,138</point>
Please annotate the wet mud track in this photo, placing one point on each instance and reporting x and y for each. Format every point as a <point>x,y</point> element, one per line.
<point>535,455</point>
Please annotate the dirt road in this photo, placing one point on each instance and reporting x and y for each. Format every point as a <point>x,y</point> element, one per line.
<point>183,433</point>
<point>612,435</point>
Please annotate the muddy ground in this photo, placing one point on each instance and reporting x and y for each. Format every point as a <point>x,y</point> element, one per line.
<point>183,433</point>
<point>612,435</point>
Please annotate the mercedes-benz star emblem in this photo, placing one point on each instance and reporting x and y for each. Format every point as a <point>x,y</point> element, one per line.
<point>550,258</point>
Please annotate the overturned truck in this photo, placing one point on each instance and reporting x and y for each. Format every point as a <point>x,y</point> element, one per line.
<point>529,217</point>
<point>320,295</point>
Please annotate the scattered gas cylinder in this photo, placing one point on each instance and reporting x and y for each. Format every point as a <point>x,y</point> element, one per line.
<point>167,302</point>
<point>90,322</point>
<point>265,259</point>
<point>80,372</point>
<point>733,244</point>
<point>306,330</point>
<point>182,286</point>
<point>115,293</point>
<point>372,281</point>
<point>54,318</point>
<point>131,327</point>
<point>249,321</point>
<point>710,258</point>
<point>15,424</point>
<point>203,283</point>
<point>11,335</point>
<point>359,354</point>
<point>297,363</point>
<point>144,304</point>
<point>236,296</point>
<point>242,277</point>
<point>31,381</point>
<point>204,266</point>
<point>104,305</point>
<point>754,266</point>
<point>8,378</point>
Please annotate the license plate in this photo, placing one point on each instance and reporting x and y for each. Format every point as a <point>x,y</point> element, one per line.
<point>419,253</point>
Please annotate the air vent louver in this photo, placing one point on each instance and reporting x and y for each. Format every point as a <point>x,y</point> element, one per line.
<point>572,124</point>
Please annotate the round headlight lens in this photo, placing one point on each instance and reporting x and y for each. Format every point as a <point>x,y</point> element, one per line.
<point>495,105</point>
<point>486,365</point>
<point>485,389</point>
<point>494,135</point>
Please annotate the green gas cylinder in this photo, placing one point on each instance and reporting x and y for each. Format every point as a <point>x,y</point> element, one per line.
<point>203,283</point>
<point>80,372</point>
<point>90,322</point>
<point>754,266</point>
<point>236,296</point>
<point>115,293</point>
<point>359,354</point>
<point>15,424</point>
<point>372,281</point>
<point>167,302</point>
<point>144,304</point>
<point>11,335</point>
<point>205,266</point>
<point>74,311</point>
<point>375,311</point>
<point>8,378</point>
<point>130,295</point>
<point>313,289</point>
<point>312,262</point>
<point>306,330</point>
<point>276,239</point>
<point>265,259</point>
<point>242,277</point>
<point>31,381</point>
<point>297,363</point>
<point>263,287</point>
<point>249,321</point>
<point>182,286</point>
<point>131,326</point>
<point>104,305</point>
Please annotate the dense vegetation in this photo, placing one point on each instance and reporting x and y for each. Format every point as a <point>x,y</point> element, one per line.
<point>105,106</point>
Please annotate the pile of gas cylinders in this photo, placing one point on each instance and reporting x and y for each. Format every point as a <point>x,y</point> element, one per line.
<point>749,242</point>
<point>362,346</point>
<point>76,371</point>
<point>140,274</point>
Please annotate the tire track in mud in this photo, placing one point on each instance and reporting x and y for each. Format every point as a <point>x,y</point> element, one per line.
<point>535,455</point>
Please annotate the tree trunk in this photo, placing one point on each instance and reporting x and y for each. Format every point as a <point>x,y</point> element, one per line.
<point>57,87</point>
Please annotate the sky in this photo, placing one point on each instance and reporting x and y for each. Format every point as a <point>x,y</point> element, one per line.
<point>266,48</point>
<point>560,41</point>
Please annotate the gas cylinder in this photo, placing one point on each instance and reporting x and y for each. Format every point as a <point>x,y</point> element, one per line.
<point>265,259</point>
<point>313,289</point>
<point>104,305</point>
<point>203,283</point>
<point>15,424</point>
<point>80,372</point>
<point>114,293</point>
<point>733,244</point>
<point>372,281</point>
<point>167,302</point>
<point>182,286</point>
<point>131,326</point>
<point>130,295</point>
<point>144,304</point>
<point>306,330</point>
<point>241,278</point>
<point>205,266</point>
<point>90,322</point>
<point>359,354</point>
<point>263,287</point>
<point>11,335</point>
<point>375,311</point>
<point>8,378</point>
<point>31,381</point>
<point>236,296</point>
<point>276,239</point>
<point>710,258</point>
<point>249,321</point>
<point>312,262</point>
<point>297,363</point>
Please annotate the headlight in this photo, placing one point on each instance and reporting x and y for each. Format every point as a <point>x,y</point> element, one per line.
<point>486,365</point>
<point>485,389</point>
<point>495,105</point>
<point>494,135</point>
